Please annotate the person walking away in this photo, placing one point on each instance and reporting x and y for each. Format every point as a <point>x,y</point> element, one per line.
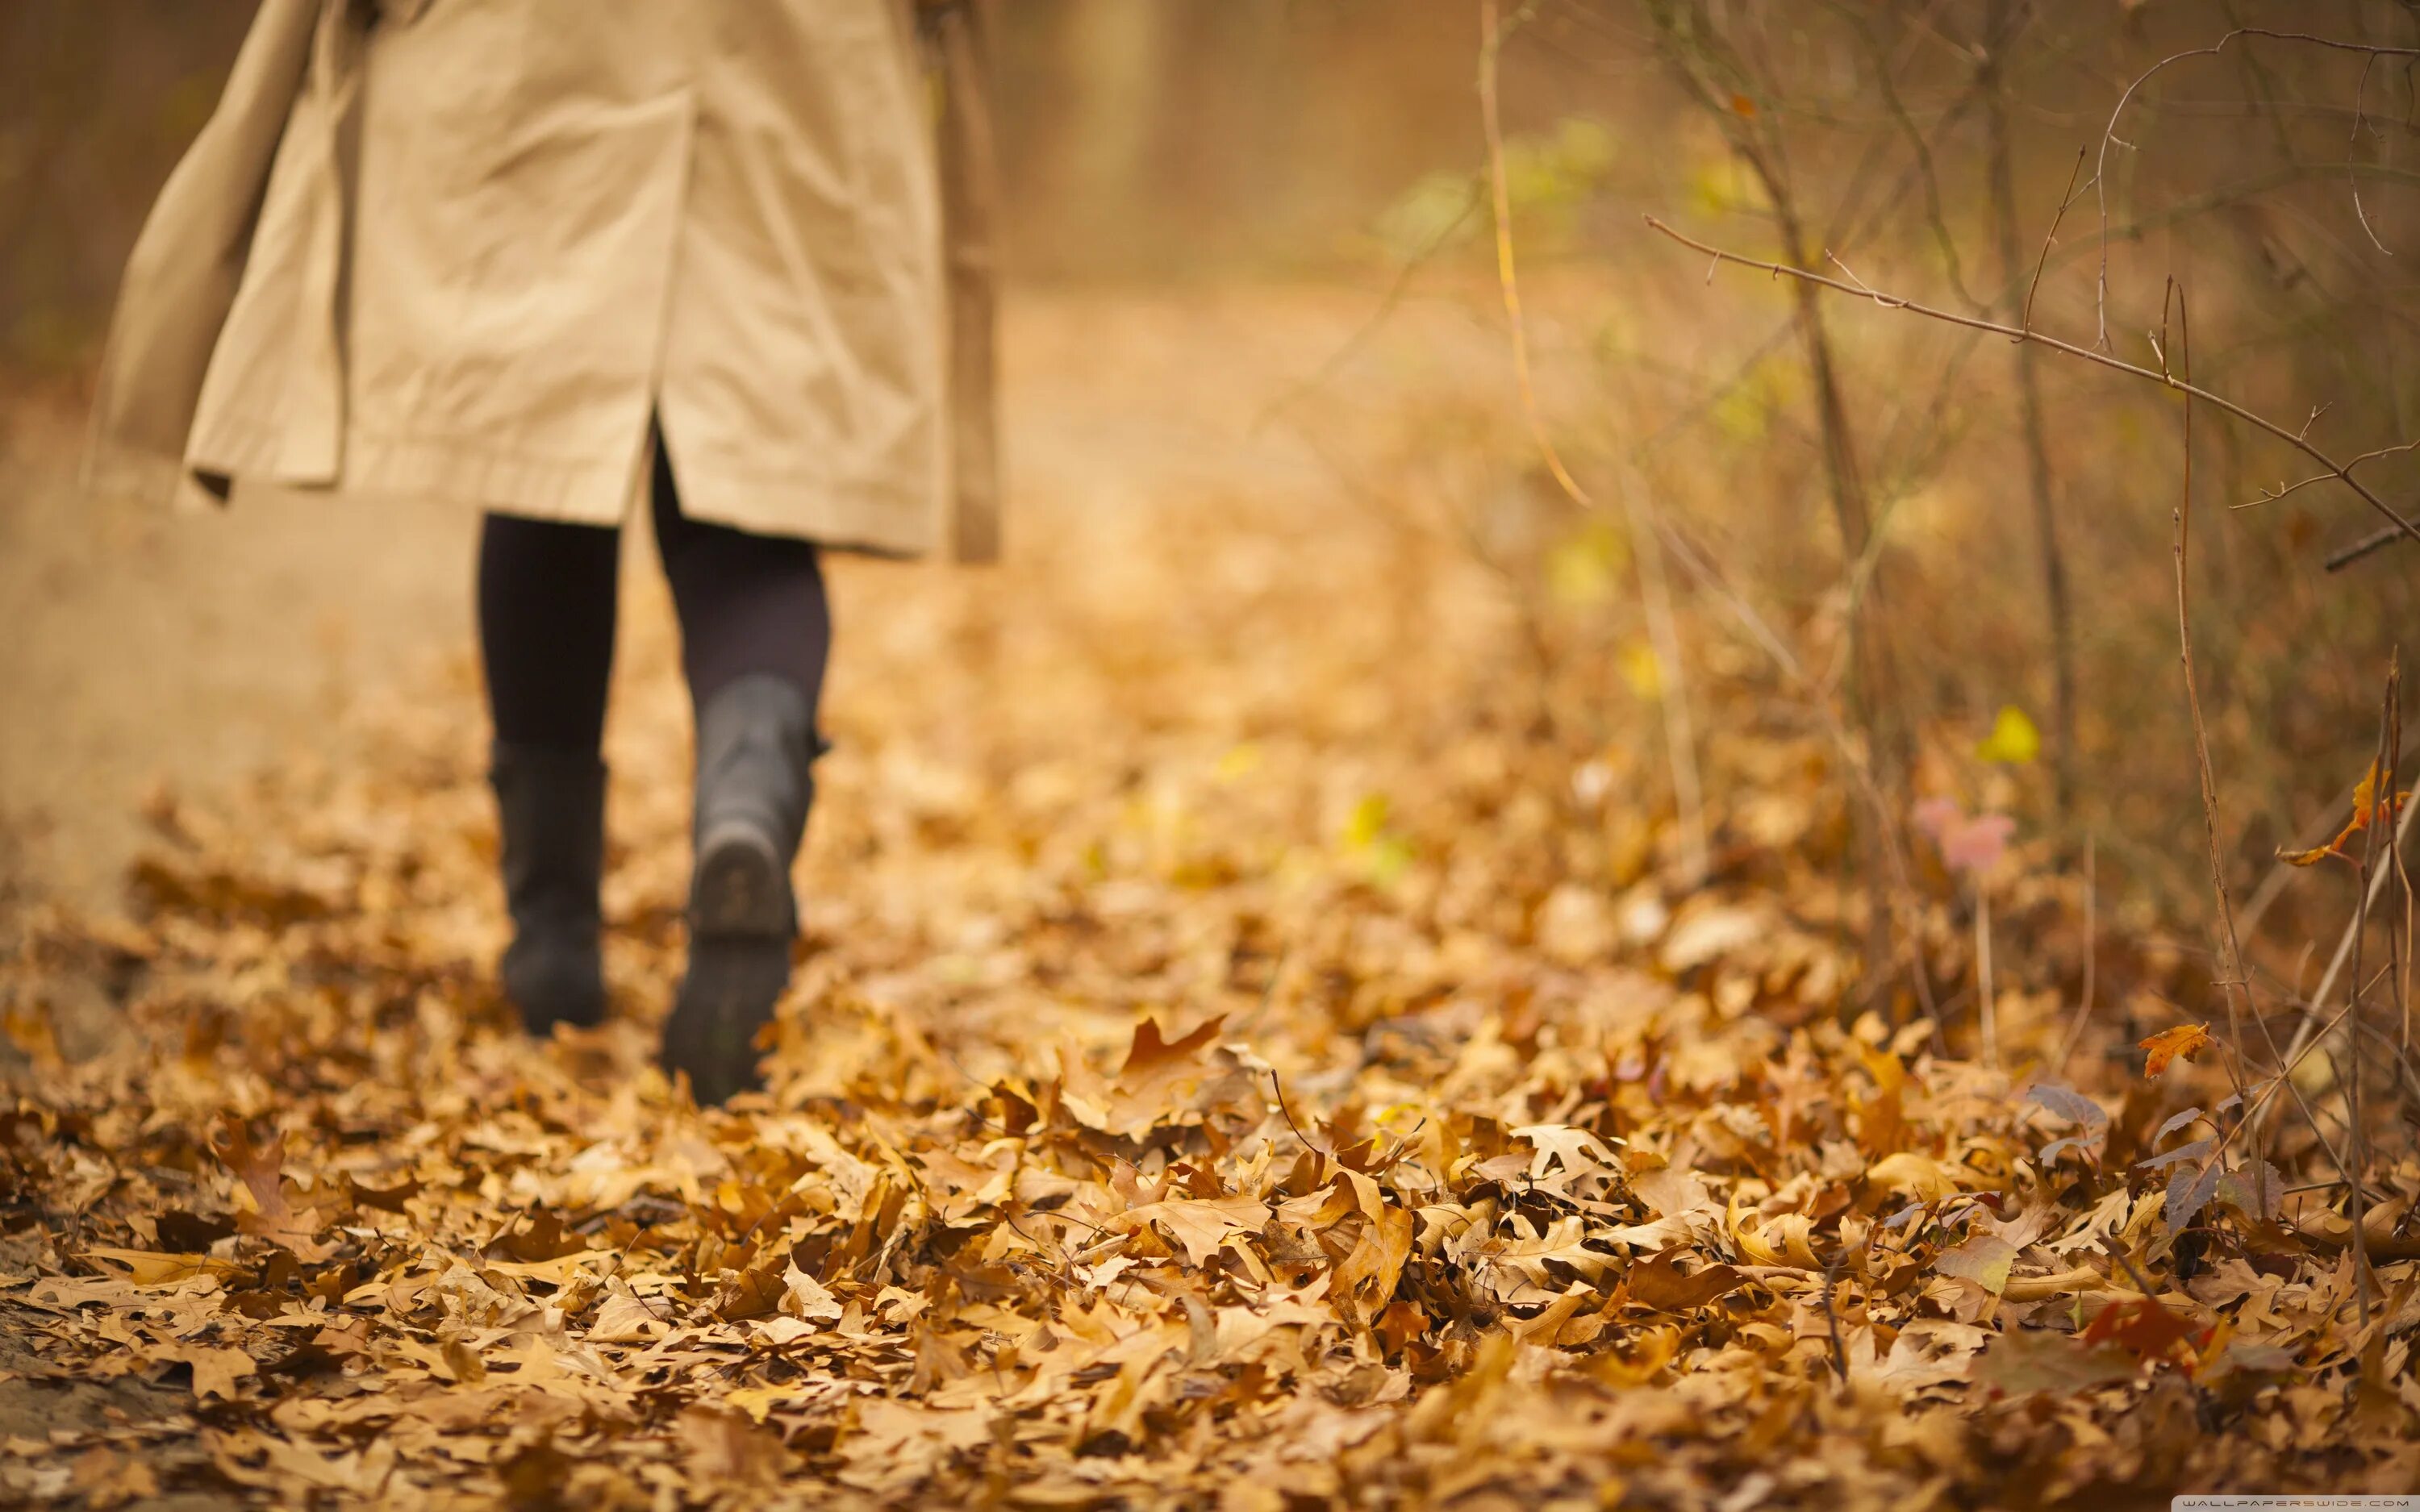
<point>720,260</point>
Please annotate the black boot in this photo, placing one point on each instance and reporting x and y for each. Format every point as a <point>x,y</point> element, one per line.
<point>756,741</point>
<point>552,808</point>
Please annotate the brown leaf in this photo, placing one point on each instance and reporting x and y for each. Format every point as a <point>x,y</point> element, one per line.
<point>2023,1360</point>
<point>216,1369</point>
<point>1658,1281</point>
<point>1201,1227</point>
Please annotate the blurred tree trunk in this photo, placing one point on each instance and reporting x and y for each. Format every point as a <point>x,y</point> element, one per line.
<point>1116,62</point>
<point>1719,79</point>
<point>2004,25</point>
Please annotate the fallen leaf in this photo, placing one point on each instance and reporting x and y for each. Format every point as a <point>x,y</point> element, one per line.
<point>2185,1040</point>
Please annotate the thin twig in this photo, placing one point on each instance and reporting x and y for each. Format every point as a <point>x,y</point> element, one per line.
<point>1987,1018</point>
<point>2352,145</point>
<point>2091,933</point>
<point>1832,1320</point>
<point>2230,963</point>
<point>1490,44</point>
<point>2050,239</point>
<point>1664,636</point>
<point>2356,1144</point>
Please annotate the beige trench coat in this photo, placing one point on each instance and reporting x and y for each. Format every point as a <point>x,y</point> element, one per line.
<point>483,250</point>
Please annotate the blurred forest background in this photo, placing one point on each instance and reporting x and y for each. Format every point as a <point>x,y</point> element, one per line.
<point>1996,519</point>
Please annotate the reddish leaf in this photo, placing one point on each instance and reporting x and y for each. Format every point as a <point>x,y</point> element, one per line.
<point>2140,1326</point>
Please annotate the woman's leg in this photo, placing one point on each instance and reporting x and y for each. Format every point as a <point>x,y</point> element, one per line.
<point>546,635</point>
<point>748,603</point>
<point>755,630</point>
<point>546,629</point>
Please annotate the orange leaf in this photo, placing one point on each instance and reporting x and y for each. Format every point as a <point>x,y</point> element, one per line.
<point>2141,1327</point>
<point>2186,1039</point>
<point>1152,1047</point>
<point>1743,105</point>
<point>2365,806</point>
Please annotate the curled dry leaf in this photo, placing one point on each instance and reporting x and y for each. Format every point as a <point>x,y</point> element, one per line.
<point>2366,806</point>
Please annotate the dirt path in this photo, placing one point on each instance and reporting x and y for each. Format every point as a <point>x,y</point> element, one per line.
<point>149,649</point>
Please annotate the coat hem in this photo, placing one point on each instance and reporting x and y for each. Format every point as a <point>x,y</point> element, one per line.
<point>889,522</point>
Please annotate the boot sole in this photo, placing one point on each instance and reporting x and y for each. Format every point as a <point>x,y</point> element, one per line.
<point>741,919</point>
<point>740,888</point>
<point>727,996</point>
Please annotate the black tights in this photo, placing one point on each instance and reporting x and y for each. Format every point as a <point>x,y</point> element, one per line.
<point>747,604</point>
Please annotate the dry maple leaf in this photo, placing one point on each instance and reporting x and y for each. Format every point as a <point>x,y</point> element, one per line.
<point>2186,1039</point>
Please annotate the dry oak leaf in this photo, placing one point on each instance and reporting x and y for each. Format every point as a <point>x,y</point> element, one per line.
<point>1385,1244</point>
<point>216,1369</point>
<point>1660,1283</point>
<point>260,1166</point>
<point>2366,805</point>
<point>1984,1259</point>
<point>1200,1224</point>
<point>1673,1194</point>
<point>147,1268</point>
<point>807,1297</point>
<point>1915,1176</point>
<point>626,1319</point>
<point>1786,1239</point>
<point>2024,1360</point>
<point>2186,1039</point>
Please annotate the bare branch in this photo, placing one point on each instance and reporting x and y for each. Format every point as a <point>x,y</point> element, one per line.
<point>2270,496</point>
<point>2168,381</point>
<point>2109,133</point>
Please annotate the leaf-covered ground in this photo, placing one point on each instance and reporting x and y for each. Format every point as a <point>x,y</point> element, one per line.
<point>1253,1047</point>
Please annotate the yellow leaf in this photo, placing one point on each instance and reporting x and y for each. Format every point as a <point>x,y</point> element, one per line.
<point>1366,823</point>
<point>2013,739</point>
<point>1912,1174</point>
<point>1582,571</point>
<point>1641,671</point>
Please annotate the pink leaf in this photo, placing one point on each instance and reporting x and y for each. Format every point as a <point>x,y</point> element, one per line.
<point>1975,845</point>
